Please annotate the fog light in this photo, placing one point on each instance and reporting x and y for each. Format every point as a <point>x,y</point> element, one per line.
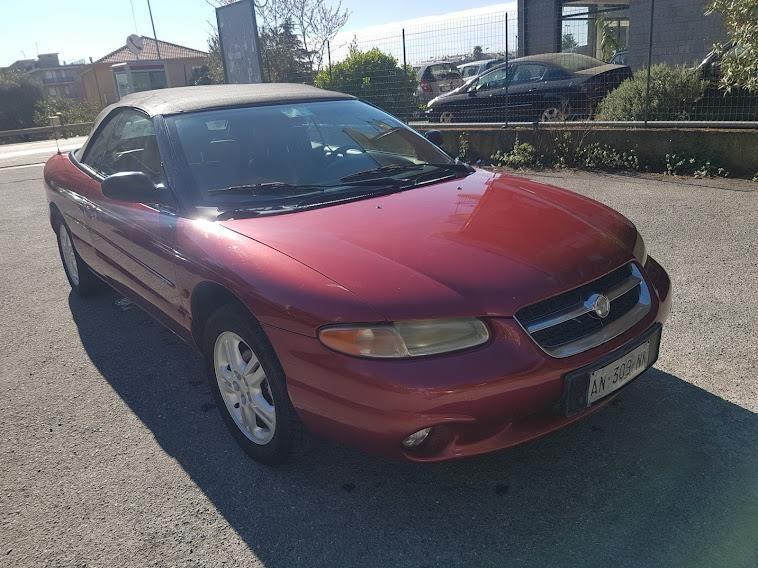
<point>417,438</point>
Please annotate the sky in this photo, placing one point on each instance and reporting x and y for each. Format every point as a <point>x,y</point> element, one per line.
<point>92,28</point>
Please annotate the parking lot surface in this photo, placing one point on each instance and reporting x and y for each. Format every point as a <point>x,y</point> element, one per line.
<point>113,454</point>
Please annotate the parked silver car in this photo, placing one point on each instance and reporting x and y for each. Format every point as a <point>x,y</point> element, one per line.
<point>474,68</point>
<point>436,78</point>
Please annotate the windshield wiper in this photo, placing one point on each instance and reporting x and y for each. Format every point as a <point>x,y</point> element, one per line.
<point>241,212</point>
<point>454,167</point>
<point>371,175</point>
<point>267,188</point>
<point>383,170</point>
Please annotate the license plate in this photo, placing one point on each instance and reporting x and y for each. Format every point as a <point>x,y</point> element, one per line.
<point>612,377</point>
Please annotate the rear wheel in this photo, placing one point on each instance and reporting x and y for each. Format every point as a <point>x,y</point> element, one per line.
<point>556,111</point>
<point>249,386</point>
<point>81,278</point>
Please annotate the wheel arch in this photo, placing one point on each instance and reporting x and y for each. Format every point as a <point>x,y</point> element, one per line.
<point>207,297</point>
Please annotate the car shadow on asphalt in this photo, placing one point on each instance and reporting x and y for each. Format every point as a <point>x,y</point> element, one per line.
<point>665,476</point>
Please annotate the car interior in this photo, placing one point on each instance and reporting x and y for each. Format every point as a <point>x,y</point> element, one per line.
<point>261,147</point>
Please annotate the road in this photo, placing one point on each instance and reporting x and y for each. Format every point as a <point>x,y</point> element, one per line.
<point>28,153</point>
<point>112,453</point>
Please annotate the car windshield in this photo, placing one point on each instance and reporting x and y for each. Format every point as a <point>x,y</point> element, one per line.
<point>269,155</point>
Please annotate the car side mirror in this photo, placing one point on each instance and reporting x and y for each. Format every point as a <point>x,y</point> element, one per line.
<point>435,137</point>
<point>134,187</point>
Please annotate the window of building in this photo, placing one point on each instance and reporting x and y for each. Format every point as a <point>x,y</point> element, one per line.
<point>595,28</point>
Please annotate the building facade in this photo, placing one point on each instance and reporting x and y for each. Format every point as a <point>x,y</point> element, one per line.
<point>55,79</point>
<point>160,64</point>
<point>620,30</point>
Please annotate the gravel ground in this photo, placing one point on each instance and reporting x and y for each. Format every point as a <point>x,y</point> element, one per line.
<point>112,453</point>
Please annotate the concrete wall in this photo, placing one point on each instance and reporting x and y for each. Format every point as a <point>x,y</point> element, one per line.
<point>682,33</point>
<point>734,149</point>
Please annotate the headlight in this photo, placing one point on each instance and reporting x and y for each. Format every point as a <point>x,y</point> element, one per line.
<point>640,253</point>
<point>412,338</point>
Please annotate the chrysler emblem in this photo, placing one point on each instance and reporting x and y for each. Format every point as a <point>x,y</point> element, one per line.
<point>598,304</point>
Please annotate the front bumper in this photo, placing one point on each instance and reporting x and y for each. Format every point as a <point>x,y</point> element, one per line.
<point>503,393</point>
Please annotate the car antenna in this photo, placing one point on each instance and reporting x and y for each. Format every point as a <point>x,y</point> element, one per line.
<point>55,122</point>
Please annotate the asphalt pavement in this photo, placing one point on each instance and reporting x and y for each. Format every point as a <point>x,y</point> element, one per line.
<point>27,153</point>
<point>113,454</point>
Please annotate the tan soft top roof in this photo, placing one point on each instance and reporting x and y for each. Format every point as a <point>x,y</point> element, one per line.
<point>189,99</point>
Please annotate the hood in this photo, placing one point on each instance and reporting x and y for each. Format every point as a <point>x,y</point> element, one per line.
<point>487,244</point>
<point>457,91</point>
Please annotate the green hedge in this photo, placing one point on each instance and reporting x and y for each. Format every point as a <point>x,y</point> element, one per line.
<point>674,92</point>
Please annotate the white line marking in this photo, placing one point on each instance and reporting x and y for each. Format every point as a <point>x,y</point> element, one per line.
<point>38,165</point>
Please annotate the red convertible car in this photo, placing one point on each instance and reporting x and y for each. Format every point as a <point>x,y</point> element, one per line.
<point>338,270</point>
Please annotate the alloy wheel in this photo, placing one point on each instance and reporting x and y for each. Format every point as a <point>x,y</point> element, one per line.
<point>244,388</point>
<point>555,113</point>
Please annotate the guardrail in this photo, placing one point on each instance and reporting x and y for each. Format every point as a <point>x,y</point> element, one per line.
<point>24,132</point>
<point>589,124</point>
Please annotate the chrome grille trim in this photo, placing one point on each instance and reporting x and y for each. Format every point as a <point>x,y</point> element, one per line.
<point>607,332</point>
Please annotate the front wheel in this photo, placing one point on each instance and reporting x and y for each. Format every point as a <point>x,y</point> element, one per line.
<point>81,278</point>
<point>249,386</point>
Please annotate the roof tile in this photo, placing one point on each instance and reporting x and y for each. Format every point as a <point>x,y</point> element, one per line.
<point>168,51</point>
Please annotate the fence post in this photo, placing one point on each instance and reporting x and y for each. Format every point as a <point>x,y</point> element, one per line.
<point>329,59</point>
<point>649,62</point>
<point>507,78</point>
<point>405,63</point>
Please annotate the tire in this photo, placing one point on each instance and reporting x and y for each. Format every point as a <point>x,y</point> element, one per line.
<point>248,385</point>
<point>556,111</point>
<point>83,281</point>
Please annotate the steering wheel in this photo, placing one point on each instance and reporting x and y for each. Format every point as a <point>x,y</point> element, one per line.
<point>342,150</point>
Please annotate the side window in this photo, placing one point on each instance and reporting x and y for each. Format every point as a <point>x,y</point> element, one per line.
<point>495,79</point>
<point>126,143</point>
<point>528,73</point>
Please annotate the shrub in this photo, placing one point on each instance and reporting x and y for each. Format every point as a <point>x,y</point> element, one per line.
<point>523,155</point>
<point>673,94</point>
<point>375,77</point>
<point>594,156</point>
<point>18,98</point>
<point>698,167</point>
<point>598,156</point>
<point>71,111</point>
<point>464,147</point>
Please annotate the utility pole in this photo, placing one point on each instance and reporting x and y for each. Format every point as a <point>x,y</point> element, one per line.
<point>155,37</point>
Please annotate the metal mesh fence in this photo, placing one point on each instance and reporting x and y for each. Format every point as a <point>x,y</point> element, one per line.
<point>595,67</point>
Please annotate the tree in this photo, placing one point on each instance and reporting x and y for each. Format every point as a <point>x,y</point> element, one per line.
<point>568,41</point>
<point>18,100</point>
<point>478,53</point>
<point>740,66</point>
<point>285,60</point>
<point>315,21</point>
<point>608,34</point>
<point>375,77</point>
<point>211,72</point>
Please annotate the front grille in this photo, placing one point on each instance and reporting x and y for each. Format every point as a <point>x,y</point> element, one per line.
<point>566,324</point>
